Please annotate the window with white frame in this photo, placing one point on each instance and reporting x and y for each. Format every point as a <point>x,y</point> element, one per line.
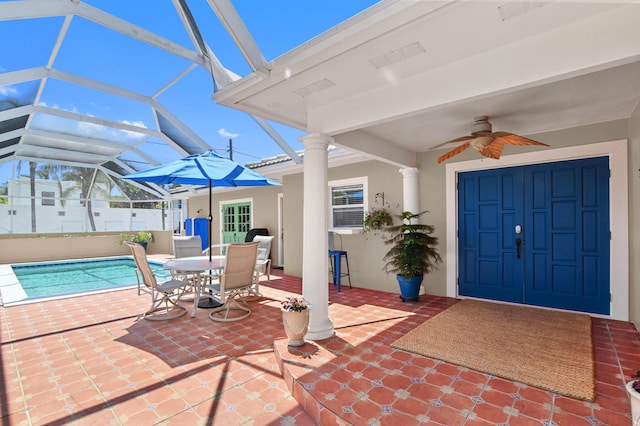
<point>347,203</point>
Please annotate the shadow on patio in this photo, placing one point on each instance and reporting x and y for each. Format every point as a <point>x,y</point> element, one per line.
<point>89,360</point>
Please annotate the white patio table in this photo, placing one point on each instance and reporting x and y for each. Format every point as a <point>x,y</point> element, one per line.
<point>197,265</point>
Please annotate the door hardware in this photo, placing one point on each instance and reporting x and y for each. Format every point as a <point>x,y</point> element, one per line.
<point>519,242</point>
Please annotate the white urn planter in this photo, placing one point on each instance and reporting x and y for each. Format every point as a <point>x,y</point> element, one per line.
<point>296,324</point>
<point>295,318</point>
<point>634,397</point>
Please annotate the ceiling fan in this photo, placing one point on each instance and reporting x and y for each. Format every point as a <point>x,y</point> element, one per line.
<point>486,142</point>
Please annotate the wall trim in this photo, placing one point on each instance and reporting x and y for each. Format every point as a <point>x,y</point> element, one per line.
<point>280,237</point>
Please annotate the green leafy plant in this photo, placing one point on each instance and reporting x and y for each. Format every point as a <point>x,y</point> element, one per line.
<point>136,237</point>
<point>413,247</point>
<point>376,219</point>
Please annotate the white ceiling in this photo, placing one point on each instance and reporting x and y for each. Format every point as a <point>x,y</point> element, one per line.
<point>531,67</point>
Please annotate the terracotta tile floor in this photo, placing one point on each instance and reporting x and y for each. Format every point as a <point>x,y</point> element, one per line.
<point>90,361</point>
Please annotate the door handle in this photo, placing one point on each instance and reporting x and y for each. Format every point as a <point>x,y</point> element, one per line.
<point>519,242</point>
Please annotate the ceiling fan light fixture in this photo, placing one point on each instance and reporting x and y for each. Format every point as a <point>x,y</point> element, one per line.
<point>488,143</point>
<point>480,124</point>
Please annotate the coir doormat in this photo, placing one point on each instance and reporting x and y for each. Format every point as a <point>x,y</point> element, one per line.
<point>540,347</point>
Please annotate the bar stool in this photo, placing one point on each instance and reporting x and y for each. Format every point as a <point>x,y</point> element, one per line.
<point>335,256</point>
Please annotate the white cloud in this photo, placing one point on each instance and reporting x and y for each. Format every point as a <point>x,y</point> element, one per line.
<point>226,134</point>
<point>8,91</point>
<point>109,133</point>
<point>136,123</point>
<point>98,130</point>
<point>83,128</point>
<point>56,106</point>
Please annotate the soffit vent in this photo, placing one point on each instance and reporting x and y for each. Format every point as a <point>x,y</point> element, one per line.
<point>314,87</point>
<point>397,55</point>
<point>519,7</point>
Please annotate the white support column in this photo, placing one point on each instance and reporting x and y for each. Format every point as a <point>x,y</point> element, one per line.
<point>410,189</point>
<point>315,246</point>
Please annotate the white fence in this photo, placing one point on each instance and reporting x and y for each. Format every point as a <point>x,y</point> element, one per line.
<point>56,219</point>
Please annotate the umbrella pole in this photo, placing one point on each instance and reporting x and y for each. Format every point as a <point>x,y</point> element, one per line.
<point>209,220</point>
<point>209,303</point>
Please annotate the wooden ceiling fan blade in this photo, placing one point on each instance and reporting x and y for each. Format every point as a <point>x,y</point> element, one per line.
<point>487,143</point>
<point>513,139</point>
<point>455,151</point>
<point>460,139</point>
<point>494,149</point>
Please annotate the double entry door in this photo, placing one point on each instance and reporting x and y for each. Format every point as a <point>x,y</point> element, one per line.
<point>537,235</point>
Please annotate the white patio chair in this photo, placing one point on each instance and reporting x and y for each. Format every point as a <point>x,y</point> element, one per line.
<point>236,280</point>
<point>187,246</point>
<point>164,295</point>
<point>263,261</point>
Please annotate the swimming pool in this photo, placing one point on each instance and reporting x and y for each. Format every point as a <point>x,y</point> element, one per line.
<point>27,282</point>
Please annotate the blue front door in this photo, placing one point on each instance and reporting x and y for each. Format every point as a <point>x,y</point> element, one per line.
<point>537,235</point>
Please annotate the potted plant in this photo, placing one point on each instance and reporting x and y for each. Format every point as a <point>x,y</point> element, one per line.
<point>376,219</point>
<point>633,389</point>
<point>140,237</point>
<point>295,318</point>
<point>412,254</point>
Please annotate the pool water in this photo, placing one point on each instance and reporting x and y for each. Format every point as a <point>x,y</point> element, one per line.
<point>71,277</point>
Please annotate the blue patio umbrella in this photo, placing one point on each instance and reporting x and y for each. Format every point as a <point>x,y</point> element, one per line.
<point>206,169</point>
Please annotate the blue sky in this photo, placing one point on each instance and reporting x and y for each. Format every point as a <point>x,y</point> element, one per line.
<point>95,52</point>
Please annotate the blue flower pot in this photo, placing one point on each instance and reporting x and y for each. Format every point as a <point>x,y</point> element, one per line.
<point>409,287</point>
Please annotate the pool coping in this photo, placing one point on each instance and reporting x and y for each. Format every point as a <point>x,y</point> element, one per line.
<point>10,288</point>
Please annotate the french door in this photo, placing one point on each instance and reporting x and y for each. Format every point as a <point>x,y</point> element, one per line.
<point>537,235</point>
<point>236,222</point>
